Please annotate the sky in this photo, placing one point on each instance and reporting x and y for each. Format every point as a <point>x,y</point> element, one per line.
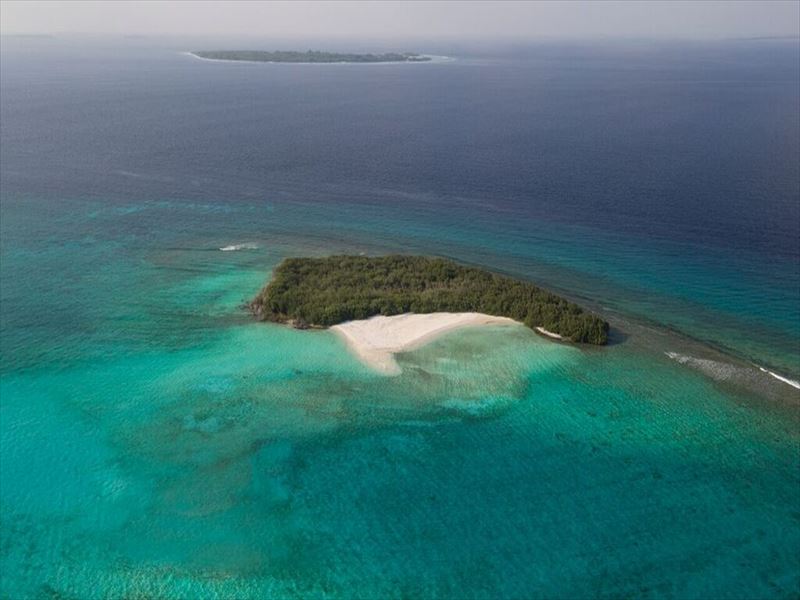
<point>474,19</point>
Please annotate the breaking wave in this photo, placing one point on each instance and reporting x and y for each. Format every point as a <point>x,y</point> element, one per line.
<point>786,380</point>
<point>722,371</point>
<point>235,247</point>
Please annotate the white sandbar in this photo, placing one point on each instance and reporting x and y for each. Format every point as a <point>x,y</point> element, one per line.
<point>376,340</point>
<point>549,334</point>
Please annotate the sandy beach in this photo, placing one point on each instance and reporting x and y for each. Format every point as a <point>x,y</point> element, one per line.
<point>376,340</point>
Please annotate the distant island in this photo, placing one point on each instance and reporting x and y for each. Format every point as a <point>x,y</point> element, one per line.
<point>322,292</point>
<point>309,56</point>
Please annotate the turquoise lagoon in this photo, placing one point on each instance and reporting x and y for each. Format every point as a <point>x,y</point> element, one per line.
<point>156,442</point>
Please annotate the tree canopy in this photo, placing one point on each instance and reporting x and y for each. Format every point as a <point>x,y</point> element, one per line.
<point>326,291</point>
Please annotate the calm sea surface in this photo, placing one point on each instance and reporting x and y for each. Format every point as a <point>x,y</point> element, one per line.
<point>155,442</point>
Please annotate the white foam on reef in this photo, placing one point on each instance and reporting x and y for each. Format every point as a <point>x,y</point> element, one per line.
<point>786,380</point>
<point>721,371</point>
<point>713,368</point>
<point>375,341</point>
<point>235,247</point>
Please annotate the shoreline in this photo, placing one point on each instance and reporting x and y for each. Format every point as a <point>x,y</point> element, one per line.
<point>376,340</point>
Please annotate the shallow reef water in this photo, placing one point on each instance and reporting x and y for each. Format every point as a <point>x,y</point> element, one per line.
<point>264,460</point>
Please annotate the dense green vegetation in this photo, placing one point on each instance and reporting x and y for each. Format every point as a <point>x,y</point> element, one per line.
<point>309,56</point>
<point>327,291</point>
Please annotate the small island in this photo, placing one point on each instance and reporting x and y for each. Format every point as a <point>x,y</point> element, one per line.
<point>309,56</point>
<point>324,292</point>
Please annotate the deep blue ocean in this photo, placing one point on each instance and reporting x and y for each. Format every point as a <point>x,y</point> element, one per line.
<point>156,442</point>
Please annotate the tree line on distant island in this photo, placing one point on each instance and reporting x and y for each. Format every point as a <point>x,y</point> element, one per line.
<point>326,291</point>
<point>309,56</point>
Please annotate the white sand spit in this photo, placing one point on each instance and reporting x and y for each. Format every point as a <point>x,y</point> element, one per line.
<point>549,334</point>
<point>376,340</point>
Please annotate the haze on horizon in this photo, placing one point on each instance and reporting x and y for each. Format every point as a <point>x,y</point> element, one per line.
<point>500,19</point>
